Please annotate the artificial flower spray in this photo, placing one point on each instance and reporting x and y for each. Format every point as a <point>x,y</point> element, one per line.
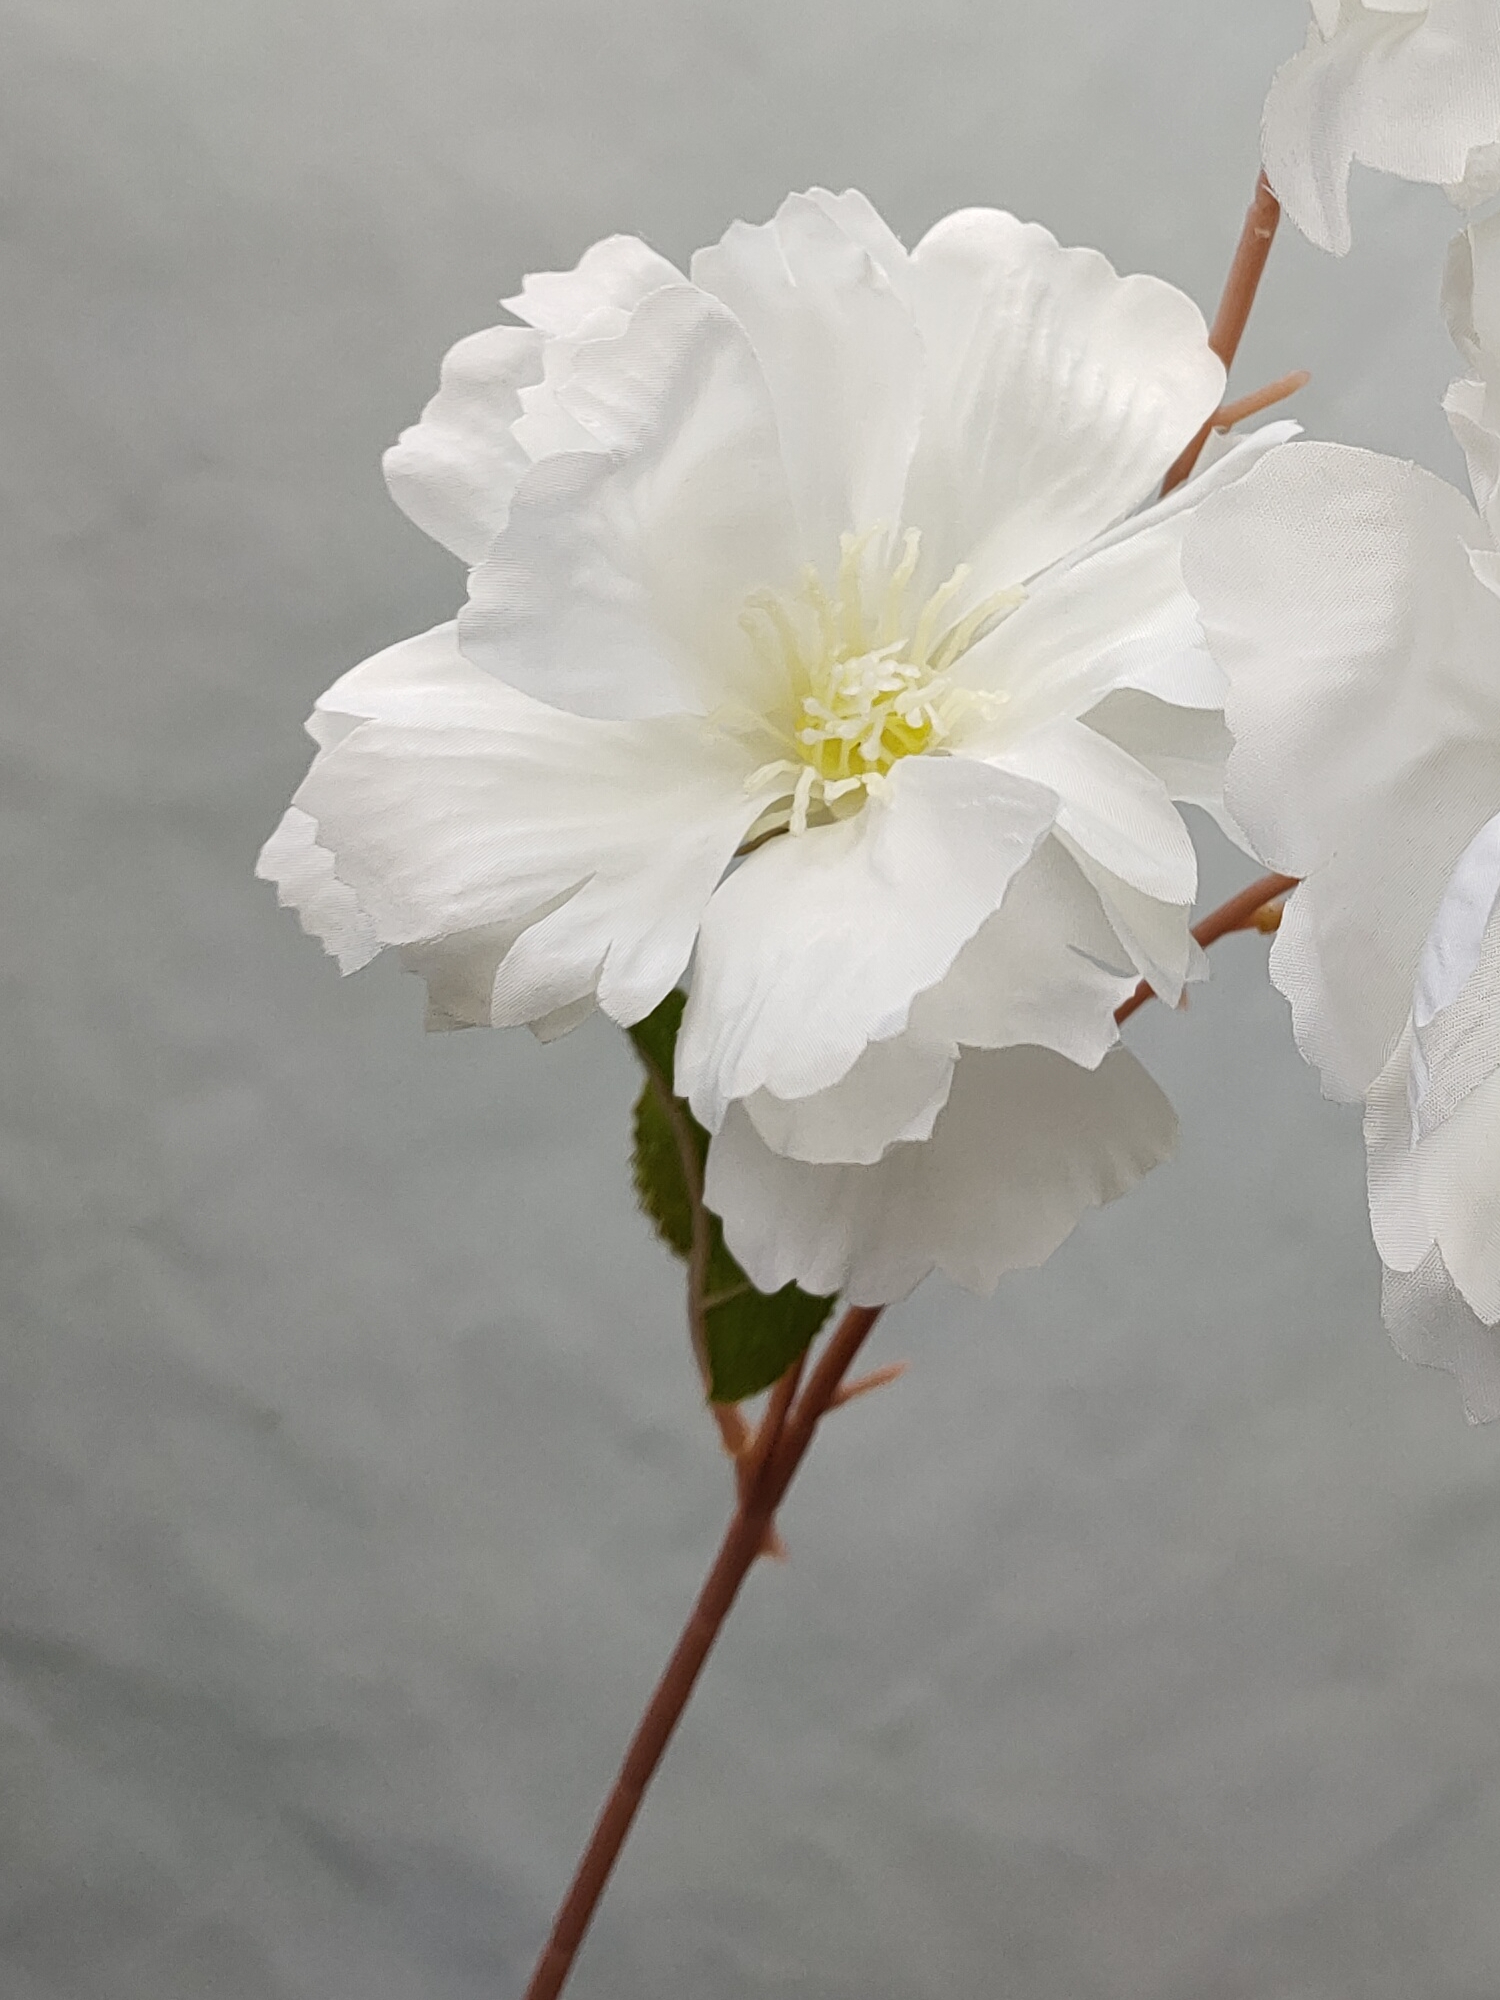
<point>842,627</point>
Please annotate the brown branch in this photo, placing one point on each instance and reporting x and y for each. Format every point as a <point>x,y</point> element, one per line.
<point>1240,287</point>
<point>780,1446</point>
<point>1244,912</point>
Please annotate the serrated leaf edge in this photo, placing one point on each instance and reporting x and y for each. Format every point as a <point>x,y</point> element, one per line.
<point>701,1242</point>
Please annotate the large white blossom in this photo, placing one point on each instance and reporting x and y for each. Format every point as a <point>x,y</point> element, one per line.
<point>812,634</point>
<point>1411,87</point>
<point>1355,604</point>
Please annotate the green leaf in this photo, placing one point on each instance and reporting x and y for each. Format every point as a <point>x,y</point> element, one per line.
<point>745,1339</point>
<point>754,1337</point>
<point>660,1183</point>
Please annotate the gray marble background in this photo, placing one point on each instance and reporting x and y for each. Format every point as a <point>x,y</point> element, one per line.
<point>1144,1644</point>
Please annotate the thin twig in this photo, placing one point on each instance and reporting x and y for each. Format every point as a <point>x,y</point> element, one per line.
<point>1241,913</point>
<point>786,1446</point>
<point>1240,287</point>
<point>1229,414</point>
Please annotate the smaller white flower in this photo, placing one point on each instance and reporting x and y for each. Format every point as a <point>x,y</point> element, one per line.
<point>1354,603</point>
<point>1409,87</point>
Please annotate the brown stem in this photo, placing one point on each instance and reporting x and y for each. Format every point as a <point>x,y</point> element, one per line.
<point>756,1452</point>
<point>787,1431</point>
<point>1240,287</point>
<point>1240,913</point>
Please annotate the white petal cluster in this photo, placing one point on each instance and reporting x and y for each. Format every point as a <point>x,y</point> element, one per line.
<point>813,635</point>
<point>1354,603</point>
<point>1410,87</point>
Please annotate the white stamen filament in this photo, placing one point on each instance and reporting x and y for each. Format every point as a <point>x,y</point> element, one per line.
<point>866,681</point>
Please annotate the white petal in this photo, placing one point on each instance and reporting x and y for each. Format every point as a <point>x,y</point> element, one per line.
<point>862,223</point>
<point>1156,936</point>
<point>326,908</point>
<point>1408,91</point>
<point>1026,1142</point>
<point>1058,392</point>
<point>1397,1221</point>
<point>1457,1170</point>
<point>563,1020</point>
<point>593,301</point>
<point>1117,615</point>
<point>598,295</point>
<point>460,806</point>
<point>1438,1190</point>
<point>1335,590</point>
<point>460,975</point>
<point>1456,941</point>
<point>1473,422</point>
<point>454,472</point>
<point>1471,306</point>
<point>820,942</point>
<point>1112,808</point>
<point>894,1092</point>
<point>1186,748</point>
<point>1431,1325</point>
<point>1346,952</point>
<point>1471,294</point>
<point>617,586</point>
<point>841,357</point>
<point>1047,969</point>
<point>1481,181</point>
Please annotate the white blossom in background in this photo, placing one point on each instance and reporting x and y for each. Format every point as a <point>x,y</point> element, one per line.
<point>1354,603</point>
<point>811,635</point>
<point>1410,87</point>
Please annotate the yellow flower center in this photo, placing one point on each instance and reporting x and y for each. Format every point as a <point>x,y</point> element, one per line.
<point>867,676</point>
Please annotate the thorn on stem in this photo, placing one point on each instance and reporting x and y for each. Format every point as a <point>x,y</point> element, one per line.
<point>1268,918</point>
<point>876,1379</point>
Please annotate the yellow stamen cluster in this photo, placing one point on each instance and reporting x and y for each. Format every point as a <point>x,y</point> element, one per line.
<point>866,682</point>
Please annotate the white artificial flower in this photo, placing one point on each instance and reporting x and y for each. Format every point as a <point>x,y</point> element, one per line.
<point>1410,87</point>
<point>811,633</point>
<point>1354,603</point>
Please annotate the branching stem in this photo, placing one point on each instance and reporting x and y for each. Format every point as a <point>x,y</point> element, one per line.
<point>1244,912</point>
<point>766,1465</point>
<point>1240,287</point>
<point>780,1446</point>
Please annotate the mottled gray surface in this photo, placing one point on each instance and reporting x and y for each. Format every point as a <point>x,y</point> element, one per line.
<point>1143,1645</point>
